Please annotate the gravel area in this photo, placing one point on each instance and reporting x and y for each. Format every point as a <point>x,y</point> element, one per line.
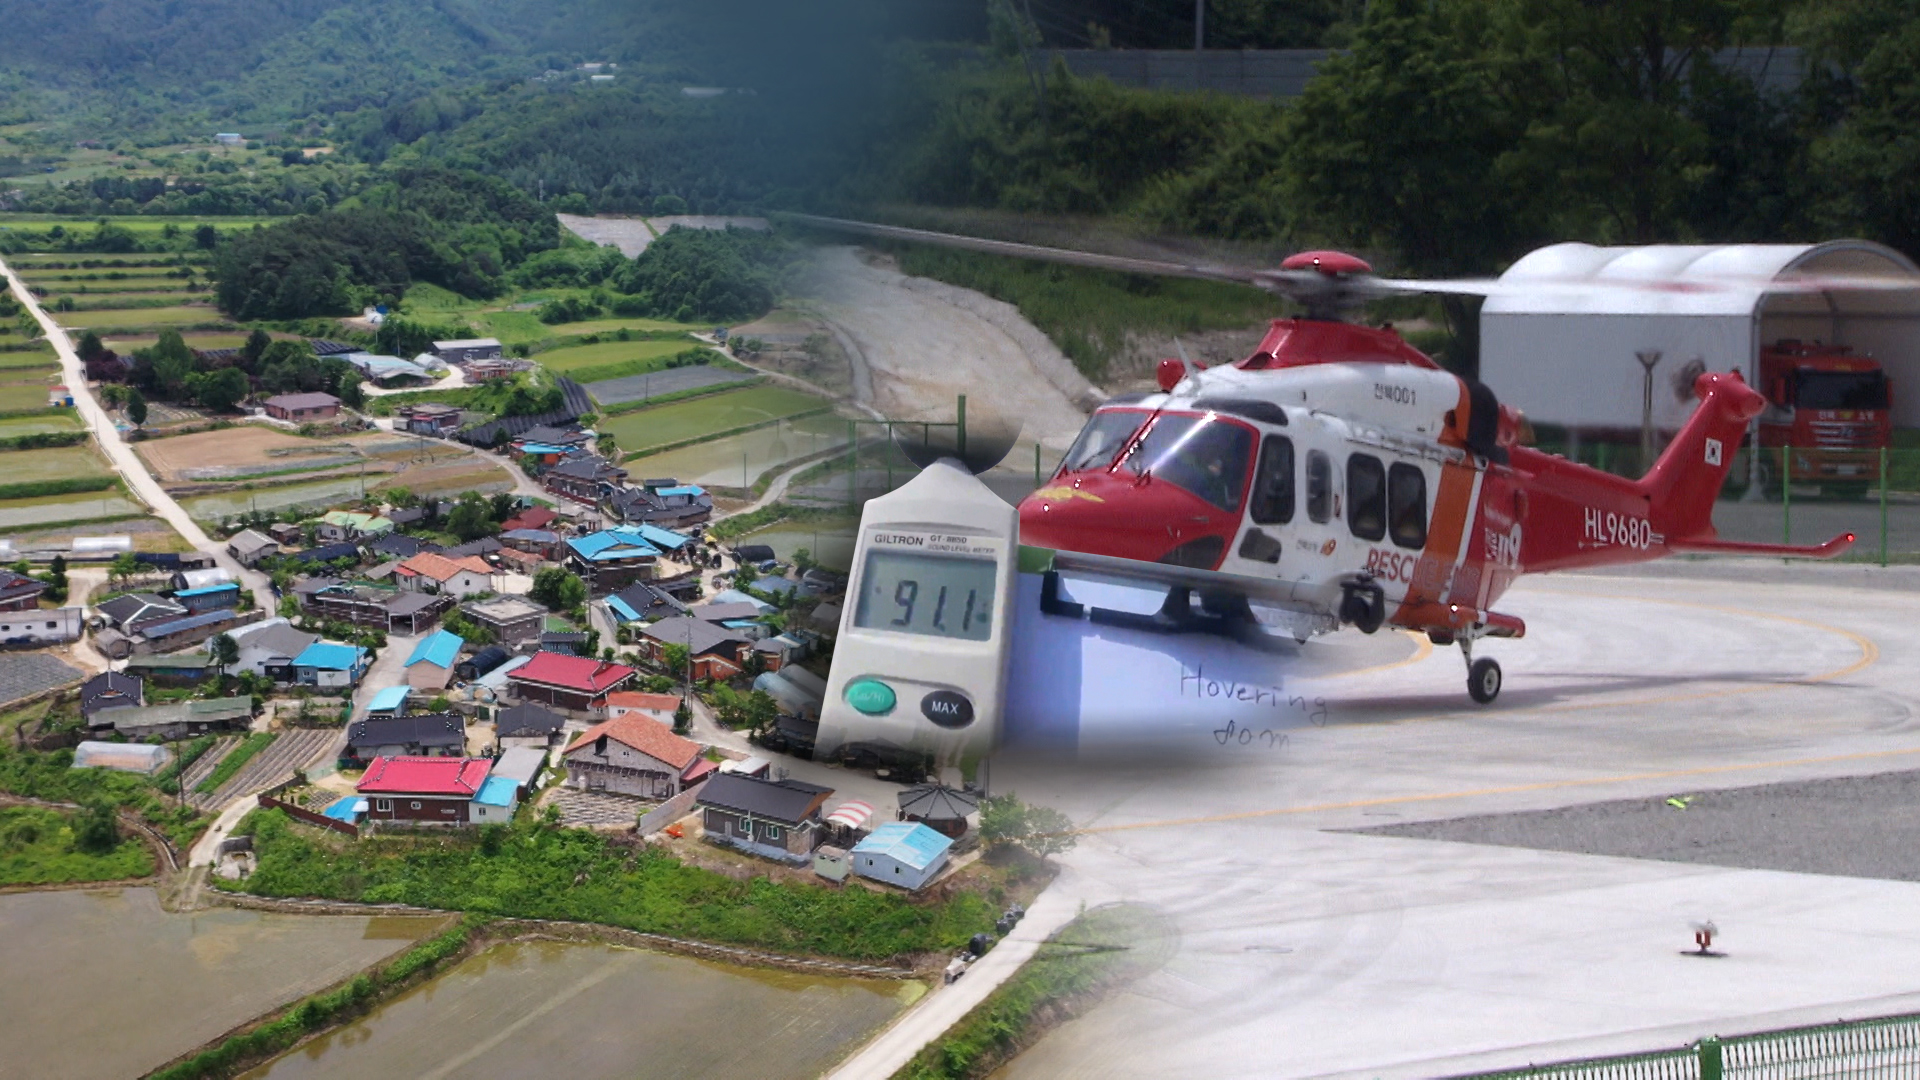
<point>24,674</point>
<point>642,387</point>
<point>1859,826</point>
<point>585,809</point>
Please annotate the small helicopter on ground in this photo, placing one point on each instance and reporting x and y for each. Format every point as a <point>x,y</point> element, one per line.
<point>1349,480</point>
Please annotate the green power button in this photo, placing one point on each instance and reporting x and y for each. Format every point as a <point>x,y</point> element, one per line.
<point>870,696</point>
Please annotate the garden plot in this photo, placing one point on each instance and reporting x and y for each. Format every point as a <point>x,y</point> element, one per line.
<point>242,452</point>
<point>147,533</point>
<point>750,454</point>
<point>659,383</point>
<point>165,316</point>
<point>574,358</point>
<point>669,424</point>
<point>55,463</point>
<point>24,389</point>
<point>39,425</point>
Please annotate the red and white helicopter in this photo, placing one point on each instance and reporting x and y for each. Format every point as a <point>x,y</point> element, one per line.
<point>1344,478</point>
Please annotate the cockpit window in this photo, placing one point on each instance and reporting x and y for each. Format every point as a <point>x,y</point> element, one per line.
<point>1102,438</point>
<point>1204,455</point>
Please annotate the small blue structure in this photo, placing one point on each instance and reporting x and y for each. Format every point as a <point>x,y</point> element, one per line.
<point>439,648</point>
<point>350,810</point>
<point>389,702</point>
<point>494,803</point>
<point>903,853</point>
<point>331,664</point>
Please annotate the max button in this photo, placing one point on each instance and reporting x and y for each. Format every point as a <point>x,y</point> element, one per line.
<point>948,708</point>
<point>870,696</point>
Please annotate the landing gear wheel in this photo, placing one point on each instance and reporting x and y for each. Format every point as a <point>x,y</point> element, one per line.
<point>1483,680</point>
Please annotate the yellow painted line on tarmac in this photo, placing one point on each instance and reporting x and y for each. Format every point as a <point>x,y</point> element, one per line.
<point>1422,648</point>
<point>1514,789</point>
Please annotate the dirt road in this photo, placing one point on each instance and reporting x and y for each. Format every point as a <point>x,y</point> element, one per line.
<point>121,456</point>
<point>924,342</point>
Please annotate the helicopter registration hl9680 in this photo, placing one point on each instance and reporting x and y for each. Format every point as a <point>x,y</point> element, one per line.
<point>1339,477</point>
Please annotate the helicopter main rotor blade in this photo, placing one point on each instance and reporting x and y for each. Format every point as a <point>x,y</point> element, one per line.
<point>1119,263</point>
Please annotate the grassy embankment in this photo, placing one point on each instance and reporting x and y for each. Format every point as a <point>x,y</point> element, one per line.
<point>51,776</point>
<point>1089,958</point>
<point>544,872</point>
<point>40,845</point>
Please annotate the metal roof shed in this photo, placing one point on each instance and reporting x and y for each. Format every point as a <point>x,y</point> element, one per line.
<point>1563,348</point>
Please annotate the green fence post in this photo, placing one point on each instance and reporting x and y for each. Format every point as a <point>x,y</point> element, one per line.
<point>1883,506</point>
<point>1037,481</point>
<point>888,452</point>
<point>853,465</point>
<point>1786,496</point>
<point>1712,1065</point>
<point>960,439</point>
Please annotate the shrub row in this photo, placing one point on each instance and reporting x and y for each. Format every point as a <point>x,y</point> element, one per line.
<point>43,440</point>
<point>35,489</point>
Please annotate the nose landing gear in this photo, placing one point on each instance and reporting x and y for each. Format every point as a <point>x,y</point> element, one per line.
<point>1483,675</point>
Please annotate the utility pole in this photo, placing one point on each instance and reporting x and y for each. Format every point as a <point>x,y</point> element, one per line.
<point>1199,30</point>
<point>1649,359</point>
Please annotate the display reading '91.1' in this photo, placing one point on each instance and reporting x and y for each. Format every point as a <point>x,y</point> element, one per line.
<point>942,596</point>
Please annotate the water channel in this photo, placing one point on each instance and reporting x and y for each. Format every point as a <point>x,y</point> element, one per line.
<point>588,1012</point>
<point>105,983</point>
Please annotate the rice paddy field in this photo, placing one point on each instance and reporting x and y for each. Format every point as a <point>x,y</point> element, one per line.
<point>86,506</point>
<point>667,424</point>
<point>55,463</point>
<point>34,360</point>
<point>126,343</point>
<point>38,425</point>
<point>24,391</point>
<point>740,460</point>
<point>185,315</point>
<point>517,327</point>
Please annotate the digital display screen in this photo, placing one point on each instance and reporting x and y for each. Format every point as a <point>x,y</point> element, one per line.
<point>938,595</point>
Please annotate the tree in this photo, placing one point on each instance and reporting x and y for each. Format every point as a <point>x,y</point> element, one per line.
<point>1006,822</point>
<point>90,347</point>
<point>255,348</point>
<point>352,392</point>
<point>57,578</point>
<point>222,390</point>
<point>470,519</point>
<point>674,658</point>
<point>97,829</point>
<point>558,588</point>
<point>503,506</point>
<point>136,407</point>
<point>124,566</point>
<point>682,718</point>
<point>803,560</point>
<point>223,651</point>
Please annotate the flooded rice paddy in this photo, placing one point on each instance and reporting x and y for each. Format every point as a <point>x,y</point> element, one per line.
<point>104,983</point>
<point>20,513</point>
<point>750,454</point>
<point>597,1011</point>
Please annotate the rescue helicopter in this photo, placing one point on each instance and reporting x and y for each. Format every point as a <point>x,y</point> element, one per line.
<point>1340,476</point>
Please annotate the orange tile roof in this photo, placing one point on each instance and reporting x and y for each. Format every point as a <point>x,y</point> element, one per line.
<point>650,737</point>
<point>434,565</point>
<point>635,699</point>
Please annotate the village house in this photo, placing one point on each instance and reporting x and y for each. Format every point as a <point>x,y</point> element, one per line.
<point>777,819</point>
<point>422,790</point>
<point>364,605</point>
<point>330,664</point>
<point>225,594</point>
<point>479,371</point>
<point>533,517</point>
<point>902,853</point>
<point>467,350</point>
<point>568,682</point>
<point>521,766</point>
<point>430,666</point>
<point>658,707</point>
<point>337,525</point>
<point>538,542</point>
<point>431,572</point>
<point>326,553</point>
<point>182,632</point>
<point>425,735</point>
<point>583,479</point>
<point>249,547</point>
<point>302,408</point>
<point>482,662</point>
<point>111,690</point>
<point>428,418</point>
<point>714,652</point>
<point>179,720</point>
<point>499,797</point>
<point>285,533</point>
<point>642,602</point>
<point>527,727</point>
<point>130,613</point>
<point>743,619</point>
<point>509,619</point>
<point>398,546</point>
<point>664,502</point>
<point>633,756</point>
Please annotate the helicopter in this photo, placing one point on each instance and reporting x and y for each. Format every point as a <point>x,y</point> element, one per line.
<point>1347,480</point>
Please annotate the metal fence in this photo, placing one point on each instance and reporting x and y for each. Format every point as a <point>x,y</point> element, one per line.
<point>1885,1047</point>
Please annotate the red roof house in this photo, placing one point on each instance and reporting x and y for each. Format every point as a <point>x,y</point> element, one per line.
<point>423,790</point>
<point>632,755</point>
<point>537,517</point>
<point>570,682</point>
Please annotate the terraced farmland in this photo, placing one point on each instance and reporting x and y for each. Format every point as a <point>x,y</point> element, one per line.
<point>669,424</point>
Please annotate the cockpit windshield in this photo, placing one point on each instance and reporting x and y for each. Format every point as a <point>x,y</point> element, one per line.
<point>1102,438</point>
<point>1205,455</point>
<point>1841,390</point>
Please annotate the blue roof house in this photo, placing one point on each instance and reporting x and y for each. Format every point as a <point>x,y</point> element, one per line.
<point>330,664</point>
<point>494,803</point>
<point>431,665</point>
<point>903,853</point>
<point>209,597</point>
<point>389,702</point>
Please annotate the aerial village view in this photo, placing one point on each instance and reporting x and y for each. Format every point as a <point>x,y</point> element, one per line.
<point>927,541</point>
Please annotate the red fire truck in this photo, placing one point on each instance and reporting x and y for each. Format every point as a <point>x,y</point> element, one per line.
<point>1831,407</point>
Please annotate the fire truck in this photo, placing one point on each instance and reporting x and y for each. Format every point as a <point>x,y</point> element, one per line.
<point>1832,409</point>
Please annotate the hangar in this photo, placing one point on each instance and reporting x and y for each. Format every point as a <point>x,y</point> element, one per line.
<point>1565,347</point>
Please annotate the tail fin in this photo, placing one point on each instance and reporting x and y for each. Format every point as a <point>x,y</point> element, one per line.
<point>1682,486</point>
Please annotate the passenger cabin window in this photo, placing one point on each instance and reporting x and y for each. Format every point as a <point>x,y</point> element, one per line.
<point>1273,484</point>
<point>1319,486</point>
<point>1203,455</point>
<point>1407,505</point>
<point>1366,497</point>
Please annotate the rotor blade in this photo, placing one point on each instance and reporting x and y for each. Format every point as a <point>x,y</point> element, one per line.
<point>1704,284</point>
<point>1119,263</point>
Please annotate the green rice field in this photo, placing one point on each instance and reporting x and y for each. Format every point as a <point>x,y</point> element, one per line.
<point>57,463</point>
<point>127,301</point>
<point>641,355</point>
<point>138,224</point>
<point>38,425</point>
<point>636,431</point>
<point>165,316</point>
<point>516,327</point>
<point>130,343</point>
<point>23,396</point>
<point>87,506</point>
<point>83,286</point>
<point>17,365</point>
